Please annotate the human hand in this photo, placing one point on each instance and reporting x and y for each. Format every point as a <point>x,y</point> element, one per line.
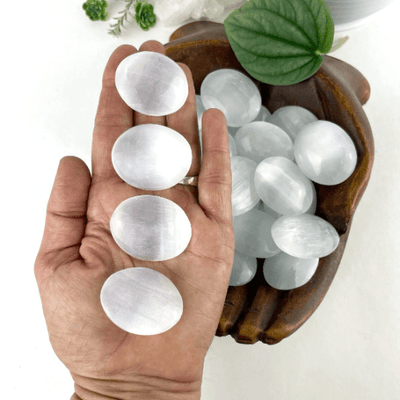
<point>78,254</point>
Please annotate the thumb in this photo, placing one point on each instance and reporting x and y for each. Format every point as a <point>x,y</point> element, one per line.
<point>65,216</point>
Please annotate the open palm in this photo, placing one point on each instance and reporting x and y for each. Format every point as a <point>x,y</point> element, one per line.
<point>78,254</point>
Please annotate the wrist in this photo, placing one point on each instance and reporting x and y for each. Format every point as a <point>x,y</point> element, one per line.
<point>143,388</point>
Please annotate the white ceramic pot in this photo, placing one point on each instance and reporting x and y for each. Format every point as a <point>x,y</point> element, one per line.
<point>349,14</point>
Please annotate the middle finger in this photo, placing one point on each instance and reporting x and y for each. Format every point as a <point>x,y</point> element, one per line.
<point>184,121</point>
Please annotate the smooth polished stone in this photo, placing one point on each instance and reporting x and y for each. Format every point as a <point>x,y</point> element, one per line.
<point>151,228</point>
<point>243,270</point>
<point>284,272</point>
<point>141,301</point>
<point>244,195</point>
<point>151,157</point>
<point>252,232</point>
<point>232,92</point>
<point>282,186</point>
<point>258,140</point>
<point>200,110</point>
<point>263,115</point>
<point>291,119</point>
<point>305,236</point>
<point>232,146</point>
<point>151,83</point>
<point>325,153</point>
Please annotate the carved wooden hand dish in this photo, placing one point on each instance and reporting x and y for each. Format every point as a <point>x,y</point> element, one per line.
<point>336,93</point>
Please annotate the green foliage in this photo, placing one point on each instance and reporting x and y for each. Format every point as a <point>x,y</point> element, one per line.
<point>145,15</point>
<point>96,9</point>
<point>280,42</point>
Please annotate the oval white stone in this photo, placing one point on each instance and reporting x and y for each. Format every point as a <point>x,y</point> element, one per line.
<point>282,186</point>
<point>232,92</point>
<point>151,157</point>
<point>243,270</point>
<point>285,272</point>
<point>325,153</point>
<point>151,83</point>
<point>252,232</point>
<point>305,236</point>
<point>141,301</point>
<point>151,228</point>
<point>258,140</point>
<point>244,195</point>
<point>291,119</point>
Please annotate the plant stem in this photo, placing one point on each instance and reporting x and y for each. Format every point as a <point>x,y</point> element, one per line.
<point>116,28</point>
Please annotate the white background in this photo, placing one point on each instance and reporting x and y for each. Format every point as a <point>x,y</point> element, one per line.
<point>53,58</point>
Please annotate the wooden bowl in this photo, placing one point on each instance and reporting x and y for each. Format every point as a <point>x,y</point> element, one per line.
<point>336,93</point>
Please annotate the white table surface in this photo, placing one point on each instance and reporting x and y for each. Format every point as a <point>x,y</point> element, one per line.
<point>52,62</point>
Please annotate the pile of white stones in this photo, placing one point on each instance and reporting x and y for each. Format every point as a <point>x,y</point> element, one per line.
<point>274,160</point>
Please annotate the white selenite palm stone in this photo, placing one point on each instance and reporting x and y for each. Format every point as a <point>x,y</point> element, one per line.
<point>232,92</point>
<point>291,119</point>
<point>244,195</point>
<point>151,157</point>
<point>284,272</point>
<point>151,228</point>
<point>258,140</point>
<point>243,270</point>
<point>252,232</point>
<point>141,301</point>
<point>325,153</point>
<point>151,83</point>
<point>282,186</point>
<point>305,236</point>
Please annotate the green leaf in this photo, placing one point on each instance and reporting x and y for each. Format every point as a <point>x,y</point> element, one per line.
<point>280,42</point>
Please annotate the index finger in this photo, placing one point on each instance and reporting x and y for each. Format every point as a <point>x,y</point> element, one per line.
<point>113,116</point>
